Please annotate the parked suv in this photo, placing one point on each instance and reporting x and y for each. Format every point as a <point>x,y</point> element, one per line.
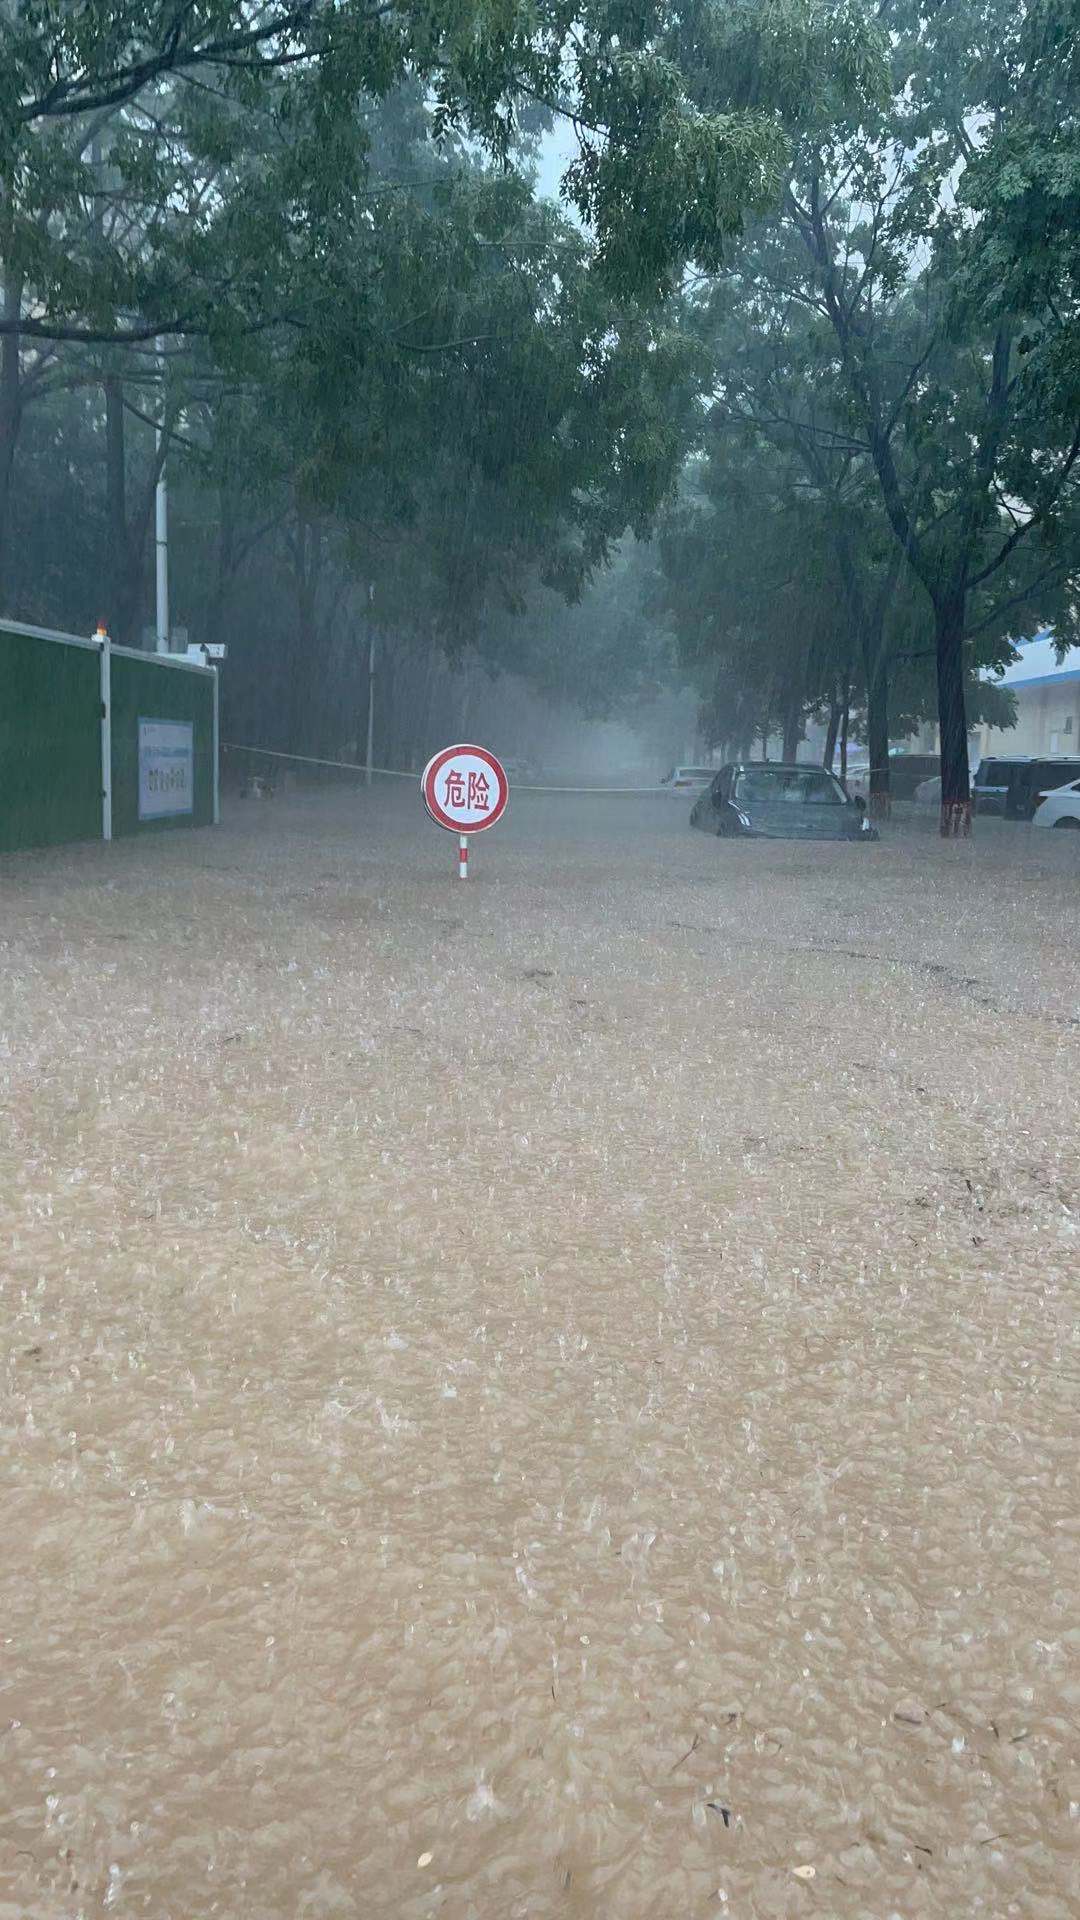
<point>1012,786</point>
<point>990,787</point>
<point>908,770</point>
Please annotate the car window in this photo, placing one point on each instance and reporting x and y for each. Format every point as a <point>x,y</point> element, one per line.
<point>786,786</point>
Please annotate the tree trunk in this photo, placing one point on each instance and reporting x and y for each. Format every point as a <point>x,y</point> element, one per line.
<point>10,417</point>
<point>117,607</point>
<point>306,550</point>
<point>845,728</point>
<point>877,731</point>
<point>303,666</point>
<point>372,685</point>
<point>876,675</point>
<point>225,568</point>
<point>793,731</point>
<point>952,714</point>
<point>433,699</point>
<point>466,690</point>
<point>836,706</point>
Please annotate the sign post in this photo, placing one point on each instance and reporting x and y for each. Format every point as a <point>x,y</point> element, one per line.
<point>465,789</point>
<point>102,638</point>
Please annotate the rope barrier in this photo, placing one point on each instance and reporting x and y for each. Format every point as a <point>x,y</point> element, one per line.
<point>309,760</point>
<point>395,773</point>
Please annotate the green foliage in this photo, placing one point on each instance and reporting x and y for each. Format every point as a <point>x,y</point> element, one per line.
<point>683,114</point>
<point>905,331</point>
<point>1023,188</point>
<point>605,653</point>
<point>750,584</point>
<point>429,381</point>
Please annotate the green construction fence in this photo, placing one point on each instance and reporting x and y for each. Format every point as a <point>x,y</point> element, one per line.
<point>97,740</point>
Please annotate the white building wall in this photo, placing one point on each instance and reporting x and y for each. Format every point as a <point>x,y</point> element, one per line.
<point>1047,721</point>
<point>1047,695</point>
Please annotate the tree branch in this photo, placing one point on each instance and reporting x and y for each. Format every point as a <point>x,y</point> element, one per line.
<point>169,433</point>
<point>1034,519</point>
<point>920,363</point>
<point>100,336</point>
<point>75,96</point>
<point>1049,576</point>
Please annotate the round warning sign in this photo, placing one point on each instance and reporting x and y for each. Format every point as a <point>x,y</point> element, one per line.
<point>465,789</point>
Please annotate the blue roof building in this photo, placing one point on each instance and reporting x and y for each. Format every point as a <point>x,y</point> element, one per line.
<point>1047,695</point>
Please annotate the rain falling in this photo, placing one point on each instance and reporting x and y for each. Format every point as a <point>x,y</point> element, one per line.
<point>539,980</point>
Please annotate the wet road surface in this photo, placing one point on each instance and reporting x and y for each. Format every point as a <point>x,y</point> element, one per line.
<point>555,1396</point>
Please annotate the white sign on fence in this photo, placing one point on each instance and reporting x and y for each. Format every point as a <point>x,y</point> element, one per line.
<point>166,768</point>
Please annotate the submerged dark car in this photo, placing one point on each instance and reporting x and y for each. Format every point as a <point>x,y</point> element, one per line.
<point>1012,786</point>
<point>764,799</point>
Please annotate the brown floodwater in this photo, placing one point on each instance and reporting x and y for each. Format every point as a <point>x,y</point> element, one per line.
<point>555,1396</point>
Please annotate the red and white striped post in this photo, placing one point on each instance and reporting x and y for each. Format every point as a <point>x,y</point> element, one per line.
<point>463,857</point>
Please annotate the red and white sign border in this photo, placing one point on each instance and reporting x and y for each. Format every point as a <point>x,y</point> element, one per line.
<point>431,773</point>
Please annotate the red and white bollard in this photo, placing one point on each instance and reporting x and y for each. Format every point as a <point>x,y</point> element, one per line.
<point>463,856</point>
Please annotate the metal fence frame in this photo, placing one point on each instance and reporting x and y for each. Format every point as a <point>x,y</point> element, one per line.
<point>107,652</point>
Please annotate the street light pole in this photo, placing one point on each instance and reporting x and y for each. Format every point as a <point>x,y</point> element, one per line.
<point>161,520</point>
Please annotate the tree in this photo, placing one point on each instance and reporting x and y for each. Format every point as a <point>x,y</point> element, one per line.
<point>1023,184</point>
<point>471,423</point>
<point>751,587</point>
<point>660,176</point>
<point>972,441</point>
<point>773,396</point>
<point>606,652</point>
<point>439,382</point>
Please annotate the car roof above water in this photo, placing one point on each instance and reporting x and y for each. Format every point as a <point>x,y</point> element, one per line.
<point>776,766</point>
<point>1028,760</point>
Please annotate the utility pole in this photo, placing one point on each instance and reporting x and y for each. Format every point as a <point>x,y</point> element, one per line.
<point>161,519</point>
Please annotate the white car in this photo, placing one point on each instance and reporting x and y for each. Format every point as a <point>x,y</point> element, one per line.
<point>928,792</point>
<point>689,781</point>
<point>1059,807</point>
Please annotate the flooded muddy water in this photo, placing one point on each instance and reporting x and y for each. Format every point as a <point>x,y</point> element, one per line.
<point>551,1397</point>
